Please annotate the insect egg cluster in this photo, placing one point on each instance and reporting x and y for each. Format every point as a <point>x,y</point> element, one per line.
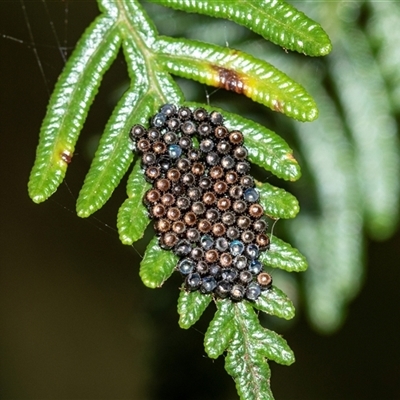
<point>204,201</point>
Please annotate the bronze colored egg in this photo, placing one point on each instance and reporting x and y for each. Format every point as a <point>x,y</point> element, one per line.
<point>143,145</point>
<point>219,229</point>
<point>190,218</point>
<point>153,195</point>
<point>198,168</point>
<point>173,213</point>
<point>168,199</point>
<point>236,137</point>
<point>169,239</point>
<point>225,259</point>
<point>163,184</point>
<point>263,240</point>
<point>204,226</point>
<point>231,177</point>
<point>173,124</point>
<point>178,227</point>
<point>256,211</point>
<point>211,256</point>
<point>158,210</point>
<point>209,198</point>
<point>193,154</point>
<point>264,280</point>
<point>163,225</point>
<point>216,172</point>
<point>159,147</point>
<point>220,187</point>
<point>173,175</point>
<point>224,204</point>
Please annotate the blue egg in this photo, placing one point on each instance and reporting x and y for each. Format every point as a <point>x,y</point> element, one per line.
<point>186,266</point>
<point>208,285</point>
<point>253,291</point>
<point>206,242</point>
<point>174,151</point>
<point>236,247</point>
<point>251,195</point>
<point>158,120</point>
<point>255,267</point>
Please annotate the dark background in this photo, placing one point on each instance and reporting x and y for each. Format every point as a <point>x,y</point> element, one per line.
<point>75,320</point>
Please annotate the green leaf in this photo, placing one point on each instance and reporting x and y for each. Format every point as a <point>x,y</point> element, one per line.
<point>69,105</point>
<point>133,216</point>
<point>277,203</point>
<point>266,148</point>
<point>260,340</point>
<point>239,72</point>
<point>282,255</point>
<point>274,20</point>
<point>112,158</point>
<point>251,373</point>
<point>221,329</point>
<point>191,306</point>
<point>275,347</point>
<point>247,353</point>
<point>275,302</point>
<point>157,265</point>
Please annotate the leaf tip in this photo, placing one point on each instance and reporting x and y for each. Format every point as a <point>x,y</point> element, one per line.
<point>36,197</point>
<point>325,50</point>
<point>125,239</point>
<point>83,212</point>
<point>312,115</point>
